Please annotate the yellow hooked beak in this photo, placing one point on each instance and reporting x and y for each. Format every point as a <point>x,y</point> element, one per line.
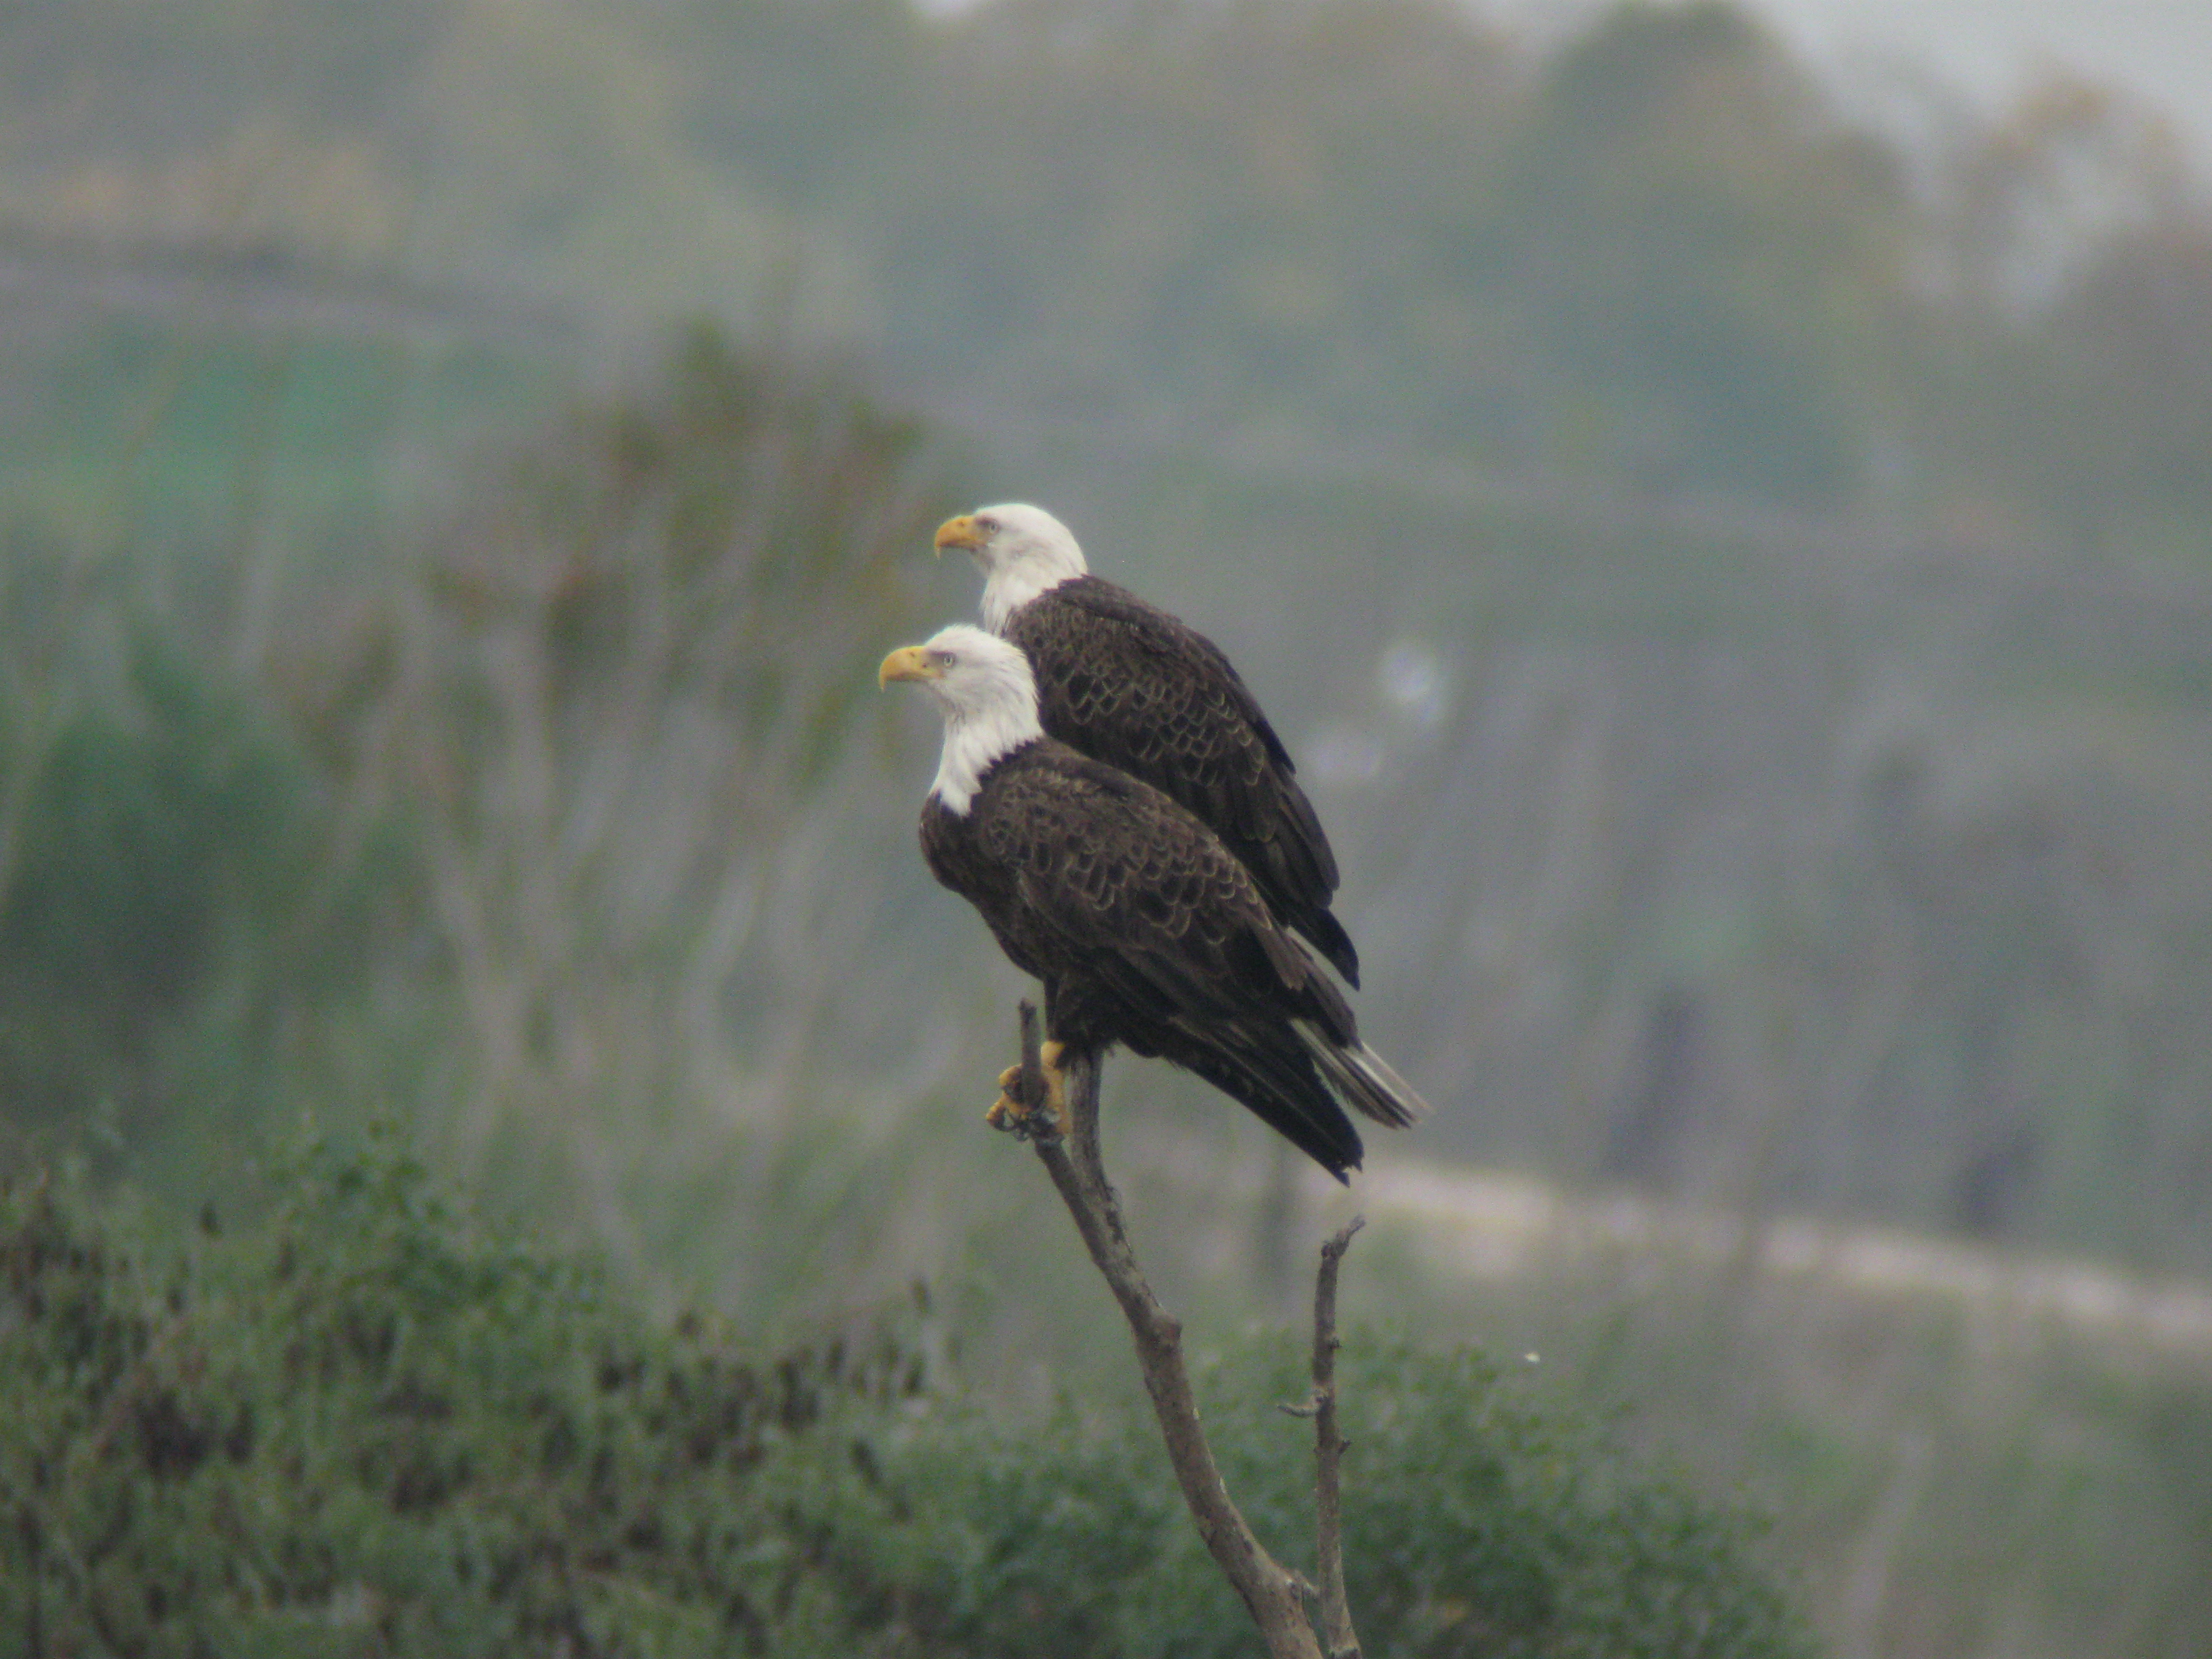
<point>960,532</point>
<point>909,662</point>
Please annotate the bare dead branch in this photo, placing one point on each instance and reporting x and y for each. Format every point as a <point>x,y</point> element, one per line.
<point>1328,1451</point>
<point>1270,1593</point>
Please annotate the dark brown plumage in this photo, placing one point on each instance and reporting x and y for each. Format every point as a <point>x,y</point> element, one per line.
<point>1144,928</point>
<point>1124,682</point>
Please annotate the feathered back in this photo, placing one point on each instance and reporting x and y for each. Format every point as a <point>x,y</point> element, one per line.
<point>1147,931</point>
<point>1124,682</point>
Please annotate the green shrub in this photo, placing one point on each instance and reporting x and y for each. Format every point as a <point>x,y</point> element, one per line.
<point>1477,1523</point>
<point>173,899</point>
<point>360,1426</point>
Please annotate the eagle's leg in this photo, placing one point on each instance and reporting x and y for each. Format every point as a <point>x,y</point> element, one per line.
<point>1008,1113</point>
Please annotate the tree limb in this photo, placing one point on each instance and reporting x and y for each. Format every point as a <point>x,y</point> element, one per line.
<point>1270,1592</point>
<point>1328,1450</point>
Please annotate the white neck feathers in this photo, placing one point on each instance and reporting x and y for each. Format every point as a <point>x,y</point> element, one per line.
<point>988,698</point>
<point>977,740</point>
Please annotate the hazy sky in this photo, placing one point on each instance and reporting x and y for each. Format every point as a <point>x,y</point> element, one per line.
<point>2160,48</point>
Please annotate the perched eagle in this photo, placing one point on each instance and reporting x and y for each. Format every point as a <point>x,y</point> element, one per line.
<point>1125,683</point>
<point>1144,927</point>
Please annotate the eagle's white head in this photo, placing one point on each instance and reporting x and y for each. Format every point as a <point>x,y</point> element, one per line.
<point>1021,550</point>
<point>984,689</point>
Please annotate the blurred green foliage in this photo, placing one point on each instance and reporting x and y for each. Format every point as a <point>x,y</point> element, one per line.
<point>628,684</point>
<point>179,913</point>
<point>736,531</point>
<point>1705,247</point>
<point>1660,253</point>
<point>308,802</point>
<point>363,1426</point>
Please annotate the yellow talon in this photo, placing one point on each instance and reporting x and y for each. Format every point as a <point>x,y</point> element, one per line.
<point>1009,1114</point>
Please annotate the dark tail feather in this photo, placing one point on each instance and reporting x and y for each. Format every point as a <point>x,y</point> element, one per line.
<point>1366,1082</point>
<point>1282,1093</point>
<point>1297,871</point>
<point>1307,841</point>
<point>1329,938</point>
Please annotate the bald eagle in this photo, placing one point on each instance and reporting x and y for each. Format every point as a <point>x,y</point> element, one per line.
<point>1125,683</point>
<point>1146,930</point>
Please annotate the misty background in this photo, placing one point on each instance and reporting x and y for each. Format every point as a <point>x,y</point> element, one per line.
<point>1724,524</point>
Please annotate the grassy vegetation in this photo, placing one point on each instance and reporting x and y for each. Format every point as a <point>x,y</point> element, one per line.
<point>1962,1450</point>
<point>361,1421</point>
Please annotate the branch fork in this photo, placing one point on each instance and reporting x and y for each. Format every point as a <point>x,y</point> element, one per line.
<point>1274,1595</point>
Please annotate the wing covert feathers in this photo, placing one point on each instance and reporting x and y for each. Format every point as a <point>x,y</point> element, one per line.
<point>1146,930</point>
<point>1125,683</point>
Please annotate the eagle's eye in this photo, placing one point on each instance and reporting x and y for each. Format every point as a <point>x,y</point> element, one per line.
<point>945,659</point>
<point>987,524</point>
